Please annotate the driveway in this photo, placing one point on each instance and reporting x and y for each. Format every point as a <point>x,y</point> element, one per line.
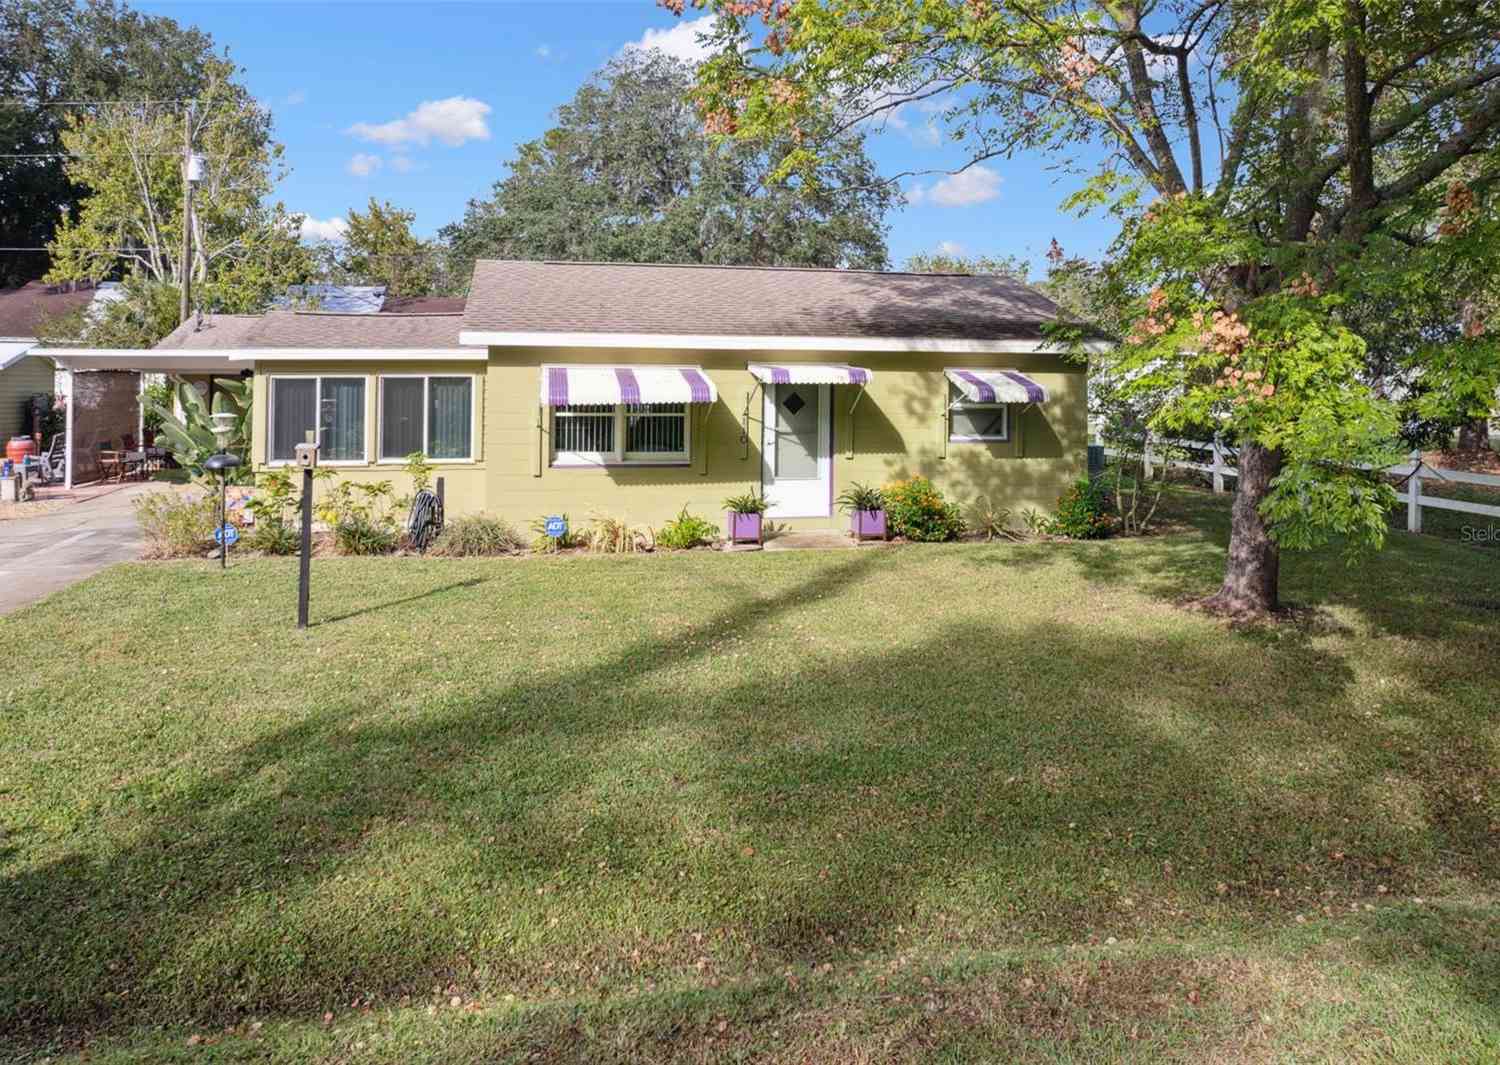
<point>40,555</point>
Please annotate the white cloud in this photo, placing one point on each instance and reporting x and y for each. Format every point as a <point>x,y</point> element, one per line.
<point>326,229</point>
<point>950,247</point>
<point>977,184</point>
<point>452,122</point>
<point>679,40</point>
<point>296,97</point>
<point>362,164</point>
<point>543,51</point>
<point>402,164</point>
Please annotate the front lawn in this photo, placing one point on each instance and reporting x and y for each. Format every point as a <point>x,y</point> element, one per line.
<point>951,803</point>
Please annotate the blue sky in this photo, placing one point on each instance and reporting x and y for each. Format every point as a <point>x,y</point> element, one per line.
<point>422,104</point>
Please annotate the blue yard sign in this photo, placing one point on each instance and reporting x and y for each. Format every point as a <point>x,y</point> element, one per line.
<point>556,527</point>
<point>227,534</point>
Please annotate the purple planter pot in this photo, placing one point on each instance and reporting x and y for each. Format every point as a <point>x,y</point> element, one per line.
<point>742,528</point>
<point>867,524</point>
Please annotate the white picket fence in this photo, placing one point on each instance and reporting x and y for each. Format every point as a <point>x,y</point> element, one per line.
<point>1220,466</point>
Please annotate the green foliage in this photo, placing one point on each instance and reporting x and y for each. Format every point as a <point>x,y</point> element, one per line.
<point>543,544</point>
<point>914,509</point>
<point>860,497</point>
<point>1083,511</point>
<point>686,530</point>
<point>944,262</point>
<point>176,524</point>
<point>246,248</point>
<point>191,437</point>
<point>51,52</point>
<point>276,530</point>
<point>379,248</point>
<point>627,174</point>
<point>363,515</point>
<point>616,536</point>
<point>750,502</point>
<point>477,535</point>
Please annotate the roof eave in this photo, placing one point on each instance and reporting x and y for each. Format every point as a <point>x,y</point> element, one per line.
<point>730,342</point>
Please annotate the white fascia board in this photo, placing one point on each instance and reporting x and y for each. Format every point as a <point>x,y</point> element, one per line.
<point>142,359</point>
<point>721,342</point>
<point>356,354</point>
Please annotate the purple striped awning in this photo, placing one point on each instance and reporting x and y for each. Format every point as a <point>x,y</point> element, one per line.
<point>571,386</point>
<point>809,373</point>
<point>996,386</point>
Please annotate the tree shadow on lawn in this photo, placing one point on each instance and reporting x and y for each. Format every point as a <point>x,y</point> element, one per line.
<point>982,787</point>
<point>472,582</point>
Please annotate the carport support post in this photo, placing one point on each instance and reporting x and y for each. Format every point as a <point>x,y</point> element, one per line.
<point>68,433</point>
<point>304,568</point>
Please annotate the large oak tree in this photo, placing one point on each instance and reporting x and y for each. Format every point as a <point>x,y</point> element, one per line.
<point>628,174</point>
<point>1278,167</point>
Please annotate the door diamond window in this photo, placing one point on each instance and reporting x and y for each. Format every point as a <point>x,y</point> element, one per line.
<point>793,403</point>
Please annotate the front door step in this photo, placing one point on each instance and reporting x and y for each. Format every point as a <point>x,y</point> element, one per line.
<point>810,540</point>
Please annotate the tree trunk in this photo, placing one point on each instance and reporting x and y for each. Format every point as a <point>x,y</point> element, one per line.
<point>1253,567</point>
<point>1474,435</point>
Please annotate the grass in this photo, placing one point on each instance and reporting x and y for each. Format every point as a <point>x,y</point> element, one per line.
<point>932,803</point>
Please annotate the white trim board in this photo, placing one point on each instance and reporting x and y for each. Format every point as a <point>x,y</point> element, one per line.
<point>723,342</point>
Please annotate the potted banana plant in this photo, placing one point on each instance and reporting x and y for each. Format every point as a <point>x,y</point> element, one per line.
<point>744,517</point>
<point>866,509</point>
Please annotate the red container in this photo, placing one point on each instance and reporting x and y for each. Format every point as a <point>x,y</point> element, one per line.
<point>18,447</point>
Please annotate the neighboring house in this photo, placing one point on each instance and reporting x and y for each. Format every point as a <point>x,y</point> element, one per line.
<point>23,374</point>
<point>634,390</point>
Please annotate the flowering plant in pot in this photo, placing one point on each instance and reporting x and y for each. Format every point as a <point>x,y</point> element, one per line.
<point>866,508</point>
<point>744,517</point>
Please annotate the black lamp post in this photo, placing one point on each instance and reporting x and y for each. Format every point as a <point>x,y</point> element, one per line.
<point>222,463</point>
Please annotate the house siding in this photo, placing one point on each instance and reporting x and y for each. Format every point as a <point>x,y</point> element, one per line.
<point>18,384</point>
<point>899,430</point>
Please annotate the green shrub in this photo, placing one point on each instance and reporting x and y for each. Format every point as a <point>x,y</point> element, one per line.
<point>916,510</point>
<point>1083,511</point>
<point>477,534</point>
<point>275,508</point>
<point>362,514</point>
<point>687,530</point>
<point>176,524</point>
<point>274,538</point>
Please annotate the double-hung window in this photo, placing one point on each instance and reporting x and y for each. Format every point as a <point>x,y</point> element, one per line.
<point>433,415</point>
<point>612,434</point>
<point>331,407</point>
<point>976,422</point>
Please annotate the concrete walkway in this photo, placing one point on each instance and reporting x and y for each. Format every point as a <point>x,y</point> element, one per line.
<point>41,555</point>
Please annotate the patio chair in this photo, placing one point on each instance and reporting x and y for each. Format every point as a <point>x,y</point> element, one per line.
<point>132,458</point>
<point>110,466</point>
<point>54,461</point>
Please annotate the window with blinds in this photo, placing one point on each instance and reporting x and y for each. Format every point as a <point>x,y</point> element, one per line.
<point>620,433</point>
<point>333,408</point>
<point>427,414</point>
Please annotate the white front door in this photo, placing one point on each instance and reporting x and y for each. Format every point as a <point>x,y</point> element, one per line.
<point>797,451</point>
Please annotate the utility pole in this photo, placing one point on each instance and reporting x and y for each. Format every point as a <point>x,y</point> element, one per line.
<point>186,268</point>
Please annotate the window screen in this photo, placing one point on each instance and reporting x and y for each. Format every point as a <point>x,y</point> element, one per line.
<point>294,414</point>
<point>450,421</point>
<point>400,416</point>
<point>341,419</point>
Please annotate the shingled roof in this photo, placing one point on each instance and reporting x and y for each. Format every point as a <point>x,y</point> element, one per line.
<point>315,330</point>
<point>664,300</point>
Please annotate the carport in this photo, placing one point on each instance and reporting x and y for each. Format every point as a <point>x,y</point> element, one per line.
<point>106,394</point>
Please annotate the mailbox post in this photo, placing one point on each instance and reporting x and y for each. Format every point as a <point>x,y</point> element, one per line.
<point>307,458</point>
